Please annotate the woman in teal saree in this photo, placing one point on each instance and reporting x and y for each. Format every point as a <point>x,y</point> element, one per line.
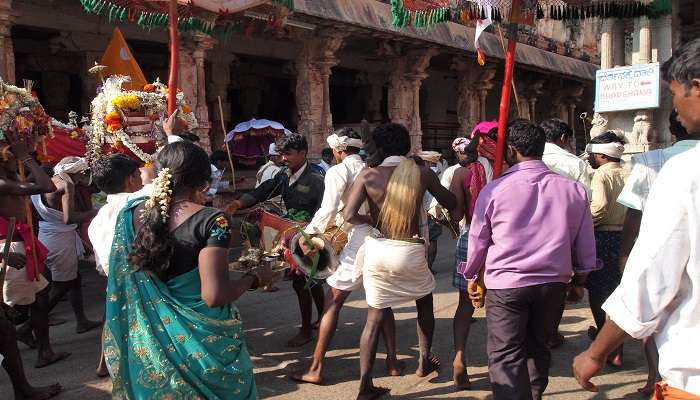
<point>171,330</point>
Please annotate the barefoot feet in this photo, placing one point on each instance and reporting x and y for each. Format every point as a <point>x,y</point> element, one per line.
<point>426,365</point>
<point>372,392</point>
<point>310,376</point>
<point>302,338</point>
<point>87,325</point>
<point>38,393</point>
<point>460,377</point>
<point>45,360</point>
<point>394,367</point>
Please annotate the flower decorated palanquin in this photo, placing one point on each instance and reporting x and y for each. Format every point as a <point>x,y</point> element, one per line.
<point>128,121</point>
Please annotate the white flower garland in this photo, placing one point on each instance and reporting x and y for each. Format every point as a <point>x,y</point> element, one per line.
<point>151,104</point>
<point>160,196</point>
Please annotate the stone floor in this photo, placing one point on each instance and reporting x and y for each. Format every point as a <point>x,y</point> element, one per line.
<point>270,319</point>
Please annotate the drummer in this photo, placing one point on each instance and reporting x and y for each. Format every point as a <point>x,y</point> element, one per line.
<point>346,145</point>
<point>301,188</point>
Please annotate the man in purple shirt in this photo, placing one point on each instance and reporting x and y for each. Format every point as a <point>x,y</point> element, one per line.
<point>532,232</point>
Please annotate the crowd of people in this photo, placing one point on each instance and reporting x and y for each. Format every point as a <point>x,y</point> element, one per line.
<point>527,243</point>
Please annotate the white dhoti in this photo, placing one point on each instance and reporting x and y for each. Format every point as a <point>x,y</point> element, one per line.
<point>345,277</point>
<point>62,241</point>
<point>19,290</point>
<point>394,272</point>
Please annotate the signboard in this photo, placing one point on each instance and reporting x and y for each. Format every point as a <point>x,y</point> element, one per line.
<point>627,88</point>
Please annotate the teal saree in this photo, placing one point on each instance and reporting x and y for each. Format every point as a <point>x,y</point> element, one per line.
<point>161,341</point>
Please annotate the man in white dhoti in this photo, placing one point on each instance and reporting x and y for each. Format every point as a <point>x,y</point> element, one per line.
<point>393,258</point>
<point>58,231</point>
<point>346,144</point>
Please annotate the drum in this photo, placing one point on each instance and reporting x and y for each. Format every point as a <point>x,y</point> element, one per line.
<point>337,237</point>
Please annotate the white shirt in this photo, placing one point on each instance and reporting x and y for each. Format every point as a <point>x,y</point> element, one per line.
<point>324,165</point>
<point>660,289</point>
<point>101,229</point>
<point>216,175</point>
<point>338,180</point>
<point>267,171</point>
<point>566,164</point>
<point>293,177</point>
<point>645,168</point>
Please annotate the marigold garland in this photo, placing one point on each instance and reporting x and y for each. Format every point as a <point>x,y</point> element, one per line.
<point>127,102</point>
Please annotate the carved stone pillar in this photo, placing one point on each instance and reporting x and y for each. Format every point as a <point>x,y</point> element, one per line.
<point>408,73</point>
<point>7,52</point>
<point>607,61</point>
<point>218,83</point>
<point>643,130</point>
<point>606,44</point>
<point>314,64</point>
<point>193,48</point>
<point>467,99</point>
<point>533,92</point>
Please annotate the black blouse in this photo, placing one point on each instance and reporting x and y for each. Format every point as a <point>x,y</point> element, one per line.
<point>208,227</point>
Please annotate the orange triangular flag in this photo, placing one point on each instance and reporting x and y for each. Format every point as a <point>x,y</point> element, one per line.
<point>119,61</point>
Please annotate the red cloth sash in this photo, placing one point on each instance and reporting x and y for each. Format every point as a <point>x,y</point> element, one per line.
<point>25,233</point>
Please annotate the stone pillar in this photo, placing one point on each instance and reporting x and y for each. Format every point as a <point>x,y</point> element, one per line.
<point>467,97</point>
<point>606,44</point>
<point>314,64</point>
<point>533,92</point>
<point>643,130</point>
<point>408,72</point>
<point>608,39</point>
<point>193,48</point>
<point>7,52</point>
<point>218,83</point>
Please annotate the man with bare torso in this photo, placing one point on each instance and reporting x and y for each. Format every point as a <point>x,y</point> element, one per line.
<point>58,224</point>
<point>393,260</point>
<point>19,289</point>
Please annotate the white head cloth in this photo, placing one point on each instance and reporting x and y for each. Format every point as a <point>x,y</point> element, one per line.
<point>70,165</point>
<point>272,150</point>
<point>341,143</point>
<point>429,156</point>
<point>613,150</point>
